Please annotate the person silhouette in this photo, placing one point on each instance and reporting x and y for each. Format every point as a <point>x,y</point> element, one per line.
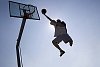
<point>60,33</point>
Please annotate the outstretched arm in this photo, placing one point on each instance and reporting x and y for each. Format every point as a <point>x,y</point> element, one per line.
<point>53,22</point>
<point>48,17</point>
<point>44,13</point>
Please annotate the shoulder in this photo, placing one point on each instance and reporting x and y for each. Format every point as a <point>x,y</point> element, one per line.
<point>53,22</point>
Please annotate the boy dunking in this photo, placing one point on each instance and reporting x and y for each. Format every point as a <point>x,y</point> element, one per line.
<point>60,33</point>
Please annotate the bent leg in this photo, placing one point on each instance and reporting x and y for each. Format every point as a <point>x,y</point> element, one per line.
<point>67,38</point>
<point>55,42</point>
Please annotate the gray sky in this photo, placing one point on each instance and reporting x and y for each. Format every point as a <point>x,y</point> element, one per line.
<point>83,22</point>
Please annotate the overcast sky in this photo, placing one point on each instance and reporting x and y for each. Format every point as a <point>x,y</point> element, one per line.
<point>83,22</point>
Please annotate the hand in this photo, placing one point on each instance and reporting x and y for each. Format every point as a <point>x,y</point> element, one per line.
<point>44,11</point>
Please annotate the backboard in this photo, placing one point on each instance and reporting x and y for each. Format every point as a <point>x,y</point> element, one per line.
<point>17,10</point>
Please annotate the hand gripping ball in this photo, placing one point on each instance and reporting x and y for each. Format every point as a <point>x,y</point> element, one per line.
<point>43,11</point>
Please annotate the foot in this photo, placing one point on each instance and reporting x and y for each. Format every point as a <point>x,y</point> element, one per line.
<point>71,45</point>
<point>61,52</point>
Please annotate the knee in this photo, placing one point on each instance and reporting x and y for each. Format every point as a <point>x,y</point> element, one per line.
<point>54,42</point>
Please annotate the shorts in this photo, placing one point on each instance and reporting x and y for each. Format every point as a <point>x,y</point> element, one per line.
<point>64,37</point>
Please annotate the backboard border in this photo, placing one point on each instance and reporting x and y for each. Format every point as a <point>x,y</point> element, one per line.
<point>19,7</point>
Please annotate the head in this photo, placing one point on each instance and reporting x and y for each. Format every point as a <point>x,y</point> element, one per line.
<point>58,20</point>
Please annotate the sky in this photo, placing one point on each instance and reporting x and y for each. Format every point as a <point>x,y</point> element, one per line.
<point>83,23</point>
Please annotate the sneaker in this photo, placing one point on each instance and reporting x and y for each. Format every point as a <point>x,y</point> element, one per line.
<point>61,53</point>
<point>71,43</point>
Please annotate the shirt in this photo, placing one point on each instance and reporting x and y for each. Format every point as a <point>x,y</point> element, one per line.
<point>60,28</point>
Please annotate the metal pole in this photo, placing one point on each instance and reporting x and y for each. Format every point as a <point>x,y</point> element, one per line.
<point>18,42</point>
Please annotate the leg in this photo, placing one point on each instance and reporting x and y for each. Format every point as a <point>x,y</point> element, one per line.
<point>56,45</point>
<point>67,38</point>
<point>55,42</point>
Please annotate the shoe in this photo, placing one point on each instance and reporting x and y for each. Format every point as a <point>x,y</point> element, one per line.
<point>61,53</point>
<point>71,45</point>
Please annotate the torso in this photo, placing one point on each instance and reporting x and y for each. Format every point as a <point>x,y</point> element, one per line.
<point>60,28</point>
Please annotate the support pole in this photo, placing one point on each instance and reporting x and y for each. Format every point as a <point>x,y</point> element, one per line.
<point>18,42</point>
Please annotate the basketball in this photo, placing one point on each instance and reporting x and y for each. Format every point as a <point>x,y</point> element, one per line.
<point>43,11</point>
